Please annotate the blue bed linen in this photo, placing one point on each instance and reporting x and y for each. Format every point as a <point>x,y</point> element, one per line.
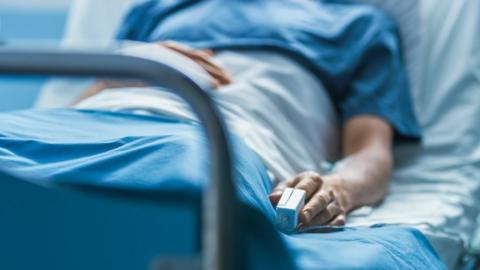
<point>162,153</point>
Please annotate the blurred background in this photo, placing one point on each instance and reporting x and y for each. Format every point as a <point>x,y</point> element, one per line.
<point>35,20</point>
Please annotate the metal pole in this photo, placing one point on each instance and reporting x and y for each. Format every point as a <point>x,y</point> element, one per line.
<point>219,199</point>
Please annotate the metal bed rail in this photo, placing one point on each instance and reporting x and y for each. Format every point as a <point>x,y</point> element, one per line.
<point>219,203</point>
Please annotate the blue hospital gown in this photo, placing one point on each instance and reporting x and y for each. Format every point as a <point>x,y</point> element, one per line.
<point>353,49</point>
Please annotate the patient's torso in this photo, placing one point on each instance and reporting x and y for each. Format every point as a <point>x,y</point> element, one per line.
<point>278,107</point>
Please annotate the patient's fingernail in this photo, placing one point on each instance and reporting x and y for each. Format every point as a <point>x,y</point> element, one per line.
<point>276,193</point>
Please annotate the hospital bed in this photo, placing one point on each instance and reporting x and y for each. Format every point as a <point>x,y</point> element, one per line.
<point>446,93</point>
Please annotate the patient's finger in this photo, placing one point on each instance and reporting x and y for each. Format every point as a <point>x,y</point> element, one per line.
<point>203,58</point>
<point>324,217</point>
<point>310,182</point>
<point>317,204</point>
<point>175,46</point>
<point>202,54</point>
<point>213,68</point>
<point>208,52</point>
<point>340,220</point>
<point>215,83</point>
<point>193,54</point>
<point>216,72</point>
<point>277,192</point>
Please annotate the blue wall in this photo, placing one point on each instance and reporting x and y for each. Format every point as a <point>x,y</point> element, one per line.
<point>33,25</point>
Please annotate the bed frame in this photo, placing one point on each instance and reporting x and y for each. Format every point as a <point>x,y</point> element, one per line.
<point>220,206</point>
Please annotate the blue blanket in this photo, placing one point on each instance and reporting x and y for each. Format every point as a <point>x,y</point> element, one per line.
<point>158,152</point>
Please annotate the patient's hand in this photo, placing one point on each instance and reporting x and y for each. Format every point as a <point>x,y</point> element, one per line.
<point>361,180</point>
<point>326,199</point>
<point>204,59</point>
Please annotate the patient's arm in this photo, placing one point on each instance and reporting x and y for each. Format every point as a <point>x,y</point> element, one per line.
<point>218,74</point>
<point>363,179</point>
<point>204,59</point>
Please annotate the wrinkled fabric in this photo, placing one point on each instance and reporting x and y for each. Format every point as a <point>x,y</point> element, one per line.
<point>161,153</point>
<point>289,121</point>
<point>353,49</point>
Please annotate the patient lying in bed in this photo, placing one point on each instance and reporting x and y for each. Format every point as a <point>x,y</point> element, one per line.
<point>282,111</point>
<point>296,95</point>
<point>282,88</point>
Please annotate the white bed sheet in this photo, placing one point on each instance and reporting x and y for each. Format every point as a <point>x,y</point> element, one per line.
<point>436,186</point>
<point>439,182</point>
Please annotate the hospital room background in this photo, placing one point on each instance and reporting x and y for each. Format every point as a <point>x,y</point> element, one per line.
<point>435,186</point>
<point>29,20</point>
